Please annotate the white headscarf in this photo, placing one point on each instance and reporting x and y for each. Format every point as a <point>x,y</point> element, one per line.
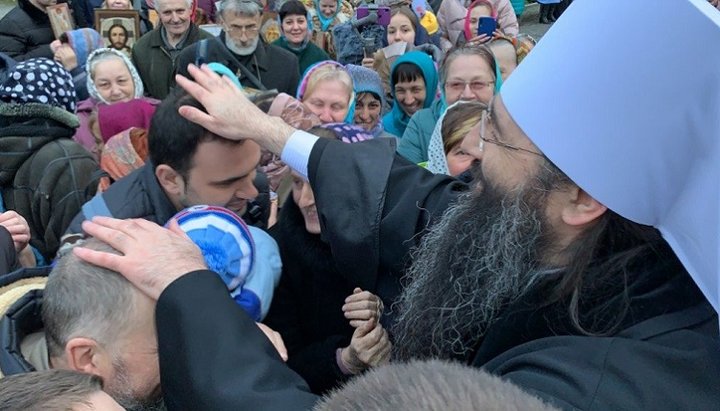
<point>92,60</point>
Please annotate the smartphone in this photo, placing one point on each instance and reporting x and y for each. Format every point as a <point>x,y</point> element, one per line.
<point>383,13</point>
<point>487,26</point>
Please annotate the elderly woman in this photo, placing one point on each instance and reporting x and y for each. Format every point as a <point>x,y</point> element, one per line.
<point>111,78</point>
<point>327,90</point>
<point>72,50</point>
<point>414,81</point>
<point>294,35</point>
<point>467,73</point>
<point>330,326</point>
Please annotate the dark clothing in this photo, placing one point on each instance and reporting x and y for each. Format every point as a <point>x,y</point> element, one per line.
<point>274,67</point>
<point>154,62</point>
<point>308,56</point>
<point>25,32</point>
<point>307,307</point>
<point>664,356</point>
<point>137,195</point>
<point>214,357</point>
<point>8,255</point>
<point>21,318</point>
<point>45,176</point>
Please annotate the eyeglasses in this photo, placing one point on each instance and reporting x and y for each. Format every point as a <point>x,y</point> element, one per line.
<point>459,86</point>
<point>232,29</point>
<point>487,115</point>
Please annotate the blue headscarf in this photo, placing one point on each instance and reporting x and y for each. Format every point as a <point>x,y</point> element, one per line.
<point>325,22</point>
<point>397,120</point>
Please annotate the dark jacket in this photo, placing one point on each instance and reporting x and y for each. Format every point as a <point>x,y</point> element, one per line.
<point>25,32</point>
<point>44,175</point>
<point>307,306</point>
<point>274,67</point>
<point>308,56</point>
<point>154,63</point>
<point>21,318</point>
<point>137,195</point>
<point>224,360</point>
<point>8,255</point>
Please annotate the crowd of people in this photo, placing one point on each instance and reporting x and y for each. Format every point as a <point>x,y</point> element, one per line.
<point>341,205</point>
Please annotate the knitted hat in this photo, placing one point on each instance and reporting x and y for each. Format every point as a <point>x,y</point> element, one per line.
<point>40,80</point>
<point>366,80</point>
<point>224,240</point>
<point>83,42</point>
<point>89,67</point>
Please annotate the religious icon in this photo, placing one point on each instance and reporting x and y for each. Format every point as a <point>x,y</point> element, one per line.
<point>60,19</point>
<point>120,29</point>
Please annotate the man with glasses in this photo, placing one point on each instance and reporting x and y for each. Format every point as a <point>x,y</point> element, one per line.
<point>240,44</point>
<point>155,53</point>
<point>583,266</point>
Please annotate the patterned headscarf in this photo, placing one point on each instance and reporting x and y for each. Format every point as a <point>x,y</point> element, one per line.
<point>347,133</point>
<point>90,66</point>
<point>83,42</point>
<point>40,80</point>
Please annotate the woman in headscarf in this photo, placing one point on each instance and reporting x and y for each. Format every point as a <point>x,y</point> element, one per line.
<point>445,153</point>
<point>327,90</point>
<point>324,16</point>
<point>369,100</point>
<point>413,80</point>
<point>328,324</point>
<point>111,78</point>
<point>467,73</point>
<point>72,50</point>
<point>294,35</point>
<point>44,174</point>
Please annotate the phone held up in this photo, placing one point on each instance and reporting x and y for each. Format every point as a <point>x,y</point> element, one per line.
<point>487,26</point>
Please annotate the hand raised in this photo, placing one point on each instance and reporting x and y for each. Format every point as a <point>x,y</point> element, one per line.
<point>152,256</point>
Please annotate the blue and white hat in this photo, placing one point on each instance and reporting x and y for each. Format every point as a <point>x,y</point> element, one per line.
<point>223,238</point>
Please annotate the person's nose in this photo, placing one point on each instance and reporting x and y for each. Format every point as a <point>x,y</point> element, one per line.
<point>467,93</point>
<point>307,197</point>
<point>326,115</point>
<point>246,190</point>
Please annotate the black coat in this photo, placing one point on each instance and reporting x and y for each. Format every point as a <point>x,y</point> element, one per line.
<point>307,305</point>
<point>665,356</point>
<point>274,67</point>
<point>25,32</point>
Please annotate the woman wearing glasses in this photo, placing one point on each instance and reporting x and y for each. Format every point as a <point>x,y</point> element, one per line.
<point>468,74</point>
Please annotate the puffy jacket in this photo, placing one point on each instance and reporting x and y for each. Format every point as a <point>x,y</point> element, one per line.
<point>25,32</point>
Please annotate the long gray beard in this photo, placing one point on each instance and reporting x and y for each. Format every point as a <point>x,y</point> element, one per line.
<point>481,256</point>
<point>241,51</point>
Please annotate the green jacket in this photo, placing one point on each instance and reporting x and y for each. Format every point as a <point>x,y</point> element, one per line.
<point>154,63</point>
<point>308,56</point>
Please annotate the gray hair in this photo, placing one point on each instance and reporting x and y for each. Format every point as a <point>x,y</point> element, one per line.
<point>104,54</point>
<point>430,385</point>
<point>158,4</point>
<point>81,299</point>
<point>467,50</point>
<point>247,8</point>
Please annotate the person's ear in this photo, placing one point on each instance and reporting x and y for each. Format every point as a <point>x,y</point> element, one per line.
<point>581,208</point>
<point>85,355</point>
<point>170,180</point>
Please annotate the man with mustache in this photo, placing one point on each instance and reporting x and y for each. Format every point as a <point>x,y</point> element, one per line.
<point>584,265</point>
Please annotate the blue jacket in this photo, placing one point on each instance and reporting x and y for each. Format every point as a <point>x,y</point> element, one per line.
<point>416,139</point>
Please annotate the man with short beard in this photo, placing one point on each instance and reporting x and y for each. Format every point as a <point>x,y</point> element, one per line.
<point>91,320</point>
<point>585,271</point>
<point>240,44</point>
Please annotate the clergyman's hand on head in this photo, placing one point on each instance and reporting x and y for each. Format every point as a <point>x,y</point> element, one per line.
<point>229,112</point>
<point>152,256</point>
